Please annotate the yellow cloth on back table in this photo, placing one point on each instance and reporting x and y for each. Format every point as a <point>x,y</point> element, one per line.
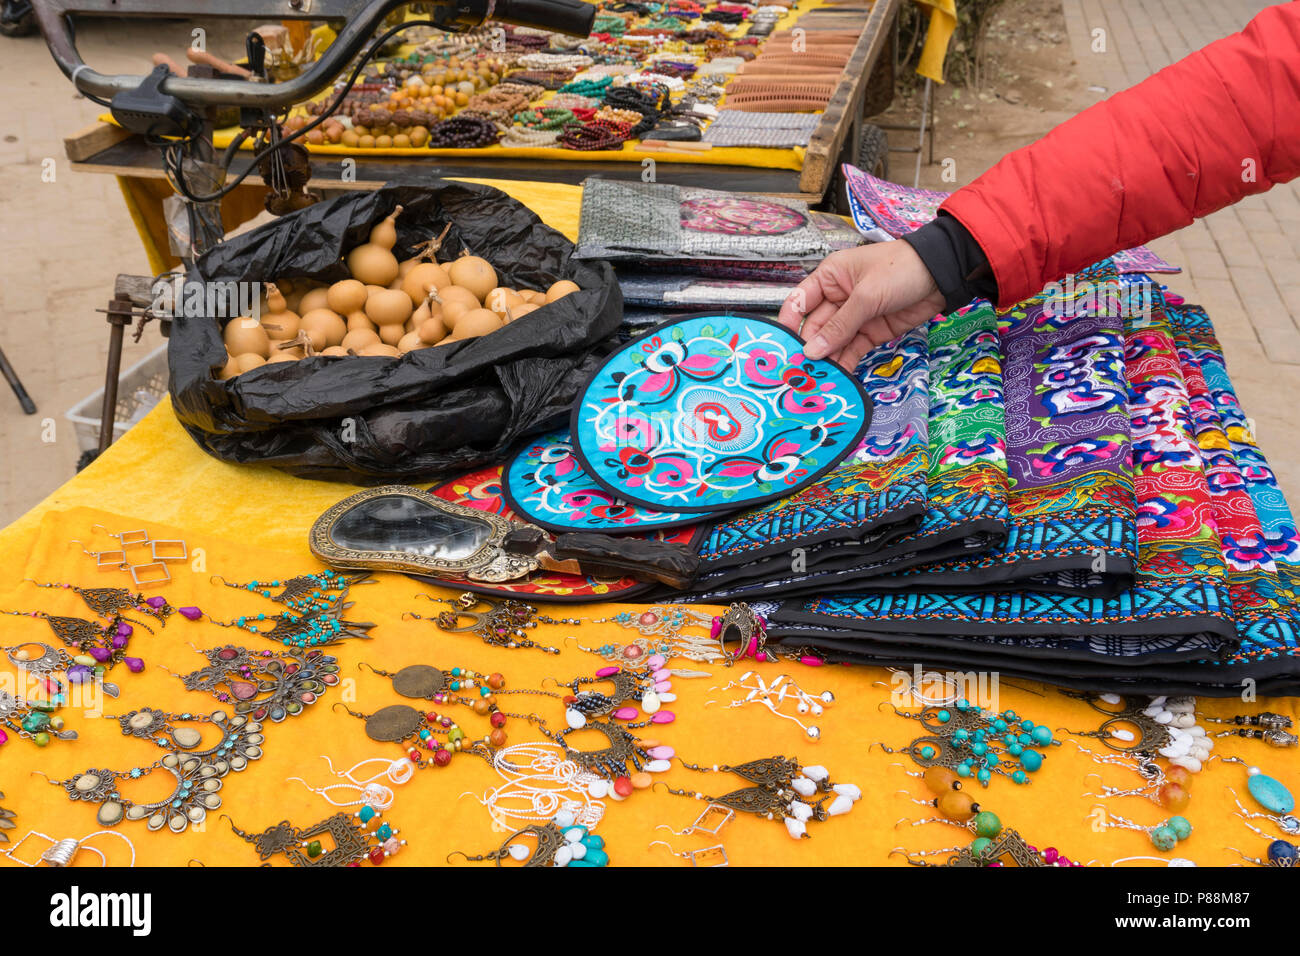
<point>251,523</point>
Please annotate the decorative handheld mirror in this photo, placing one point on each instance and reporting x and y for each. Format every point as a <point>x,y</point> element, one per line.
<point>398,528</point>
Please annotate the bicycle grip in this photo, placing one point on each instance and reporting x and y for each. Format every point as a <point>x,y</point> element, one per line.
<point>573,17</point>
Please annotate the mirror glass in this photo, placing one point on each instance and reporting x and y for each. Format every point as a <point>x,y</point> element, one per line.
<point>410,526</point>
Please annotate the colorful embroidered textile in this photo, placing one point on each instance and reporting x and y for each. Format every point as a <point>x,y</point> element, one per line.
<point>1204,614</point>
<point>1260,541</point>
<point>883,482</point>
<point>1071,523</point>
<point>965,473</point>
<point>544,483</point>
<point>877,204</point>
<point>710,413</point>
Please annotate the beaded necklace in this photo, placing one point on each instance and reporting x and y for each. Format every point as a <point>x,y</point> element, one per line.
<point>549,79</point>
<point>554,61</point>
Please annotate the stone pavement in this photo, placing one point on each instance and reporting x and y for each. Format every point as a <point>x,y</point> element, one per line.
<point>1242,263</point>
<point>63,242</point>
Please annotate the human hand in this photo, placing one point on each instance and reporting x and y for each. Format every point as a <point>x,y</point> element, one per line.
<point>860,298</point>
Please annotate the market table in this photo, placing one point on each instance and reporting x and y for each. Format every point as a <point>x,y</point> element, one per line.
<point>804,173</point>
<point>251,522</point>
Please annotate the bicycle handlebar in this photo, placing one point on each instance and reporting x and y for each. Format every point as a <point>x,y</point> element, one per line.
<point>573,17</point>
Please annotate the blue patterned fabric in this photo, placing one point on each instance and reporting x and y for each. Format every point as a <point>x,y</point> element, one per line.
<point>545,483</point>
<point>712,413</point>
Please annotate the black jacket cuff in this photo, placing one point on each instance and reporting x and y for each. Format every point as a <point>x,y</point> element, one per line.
<point>955,261</point>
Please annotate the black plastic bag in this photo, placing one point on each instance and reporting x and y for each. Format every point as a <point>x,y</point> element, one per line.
<point>430,413</point>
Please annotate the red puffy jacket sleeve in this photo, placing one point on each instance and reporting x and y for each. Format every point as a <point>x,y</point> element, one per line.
<point>1197,136</point>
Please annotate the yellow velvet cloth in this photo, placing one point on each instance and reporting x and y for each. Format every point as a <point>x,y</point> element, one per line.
<point>249,522</point>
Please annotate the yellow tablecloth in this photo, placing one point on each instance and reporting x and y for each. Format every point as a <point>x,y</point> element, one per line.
<point>251,522</point>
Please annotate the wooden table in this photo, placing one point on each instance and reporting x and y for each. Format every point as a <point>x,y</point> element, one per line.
<point>103,148</point>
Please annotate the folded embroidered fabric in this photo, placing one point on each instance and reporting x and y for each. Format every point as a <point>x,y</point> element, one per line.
<point>879,206</point>
<point>1071,524</point>
<point>965,494</point>
<point>882,484</point>
<point>1214,603</point>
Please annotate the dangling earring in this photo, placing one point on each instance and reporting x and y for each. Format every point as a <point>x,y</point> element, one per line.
<point>988,849</point>
<point>353,842</point>
<point>101,644</point>
<point>1167,790</point>
<point>650,689</point>
<point>1166,726</point>
<point>550,786</point>
<point>782,688</point>
<point>32,720</point>
<point>1164,836</point>
<point>664,622</point>
<point>304,593</point>
<point>1269,794</point>
<point>710,821</point>
<point>107,602</point>
<point>313,615</point>
<point>53,660</point>
<point>501,625</point>
<point>779,784</point>
<point>974,741</point>
<point>560,842</point>
<point>105,560</point>
<point>626,761</point>
<point>1267,726</point>
<point>151,573</point>
<point>1280,854</point>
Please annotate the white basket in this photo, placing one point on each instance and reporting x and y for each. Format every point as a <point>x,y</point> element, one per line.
<point>149,375</point>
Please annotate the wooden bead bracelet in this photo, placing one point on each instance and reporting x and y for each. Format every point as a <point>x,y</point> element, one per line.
<point>598,134</point>
<point>463,132</point>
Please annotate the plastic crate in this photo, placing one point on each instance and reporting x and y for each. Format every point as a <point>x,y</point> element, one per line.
<point>146,379</point>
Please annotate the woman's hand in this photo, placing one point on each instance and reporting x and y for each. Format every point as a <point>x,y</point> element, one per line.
<point>860,298</point>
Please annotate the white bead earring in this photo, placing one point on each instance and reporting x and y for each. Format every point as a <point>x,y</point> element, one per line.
<point>773,695</point>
